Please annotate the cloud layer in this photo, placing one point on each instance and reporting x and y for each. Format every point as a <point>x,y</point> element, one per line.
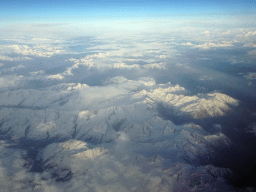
<point>130,113</point>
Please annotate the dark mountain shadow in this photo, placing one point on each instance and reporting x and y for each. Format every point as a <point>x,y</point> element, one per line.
<point>171,114</point>
<point>239,156</point>
<point>33,147</point>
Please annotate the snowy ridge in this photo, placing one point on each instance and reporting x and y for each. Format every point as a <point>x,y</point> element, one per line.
<point>200,106</point>
<point>113,136</point>
<point>95,166</point>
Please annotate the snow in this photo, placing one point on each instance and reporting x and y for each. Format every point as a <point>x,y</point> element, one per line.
<point>113,137</point>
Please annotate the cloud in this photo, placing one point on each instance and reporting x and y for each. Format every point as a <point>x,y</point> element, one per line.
<point>41,75</point>
<point>209,45</point>
<point>6,58</point>
<point>124,66</point>
<point>227,32</point>
<point>9,81</point>
<point>12,69</point>
<point>187,44</point>
<point>39,51</point>
<point>154,66</point>
<point>53,77</point>
<point>101,62</point>
<point>252,52</point>
<point>251,44</point>
<point>163,56</point>
<point>37,72</point>
<point>78,86</point>
<point>250,76</point>
<point>206,32</point>
<point>250,33</point>
<point>87,61</point>
<point>182,65</point>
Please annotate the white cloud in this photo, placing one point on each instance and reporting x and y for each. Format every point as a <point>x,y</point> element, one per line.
<point>251,44</point>
<point>9,81</point>
<point>42,76</point>
<point>6,58</point>
<point>40,50</point>
<point>37,72</point>
<point>124,66</point>
<point>250,33</point>
<point>57,77</point>
<point>16,68</point>
<point>187,44</point>
<point>78,86</point>
<point>206,32</point>
<point>101,61</point>
<point>163,56</point>
<point>209,45</point>
<point>154,66</point>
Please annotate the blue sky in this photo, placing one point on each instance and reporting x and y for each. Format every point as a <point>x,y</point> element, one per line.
<point>16,11</point>
<point>123,17</point>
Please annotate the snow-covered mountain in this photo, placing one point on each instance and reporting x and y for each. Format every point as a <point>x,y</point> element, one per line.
<point>112,138</point>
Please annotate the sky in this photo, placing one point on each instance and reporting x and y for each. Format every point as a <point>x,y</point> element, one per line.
<point>107,11</point>
<point>127,96</point>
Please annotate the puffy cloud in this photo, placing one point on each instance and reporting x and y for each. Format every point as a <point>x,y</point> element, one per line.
<point>41,75</point>
<point>6,58</point>
<point>37,72</point>
<point>57,77</point>
<point>40,51</point>
<point>124,66</point>
<point>101,62</point>
<point>78,86</point>
<point>209,45</point>
<point>163,56</point>
<point>206,32</point>
<point>187,44</point>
